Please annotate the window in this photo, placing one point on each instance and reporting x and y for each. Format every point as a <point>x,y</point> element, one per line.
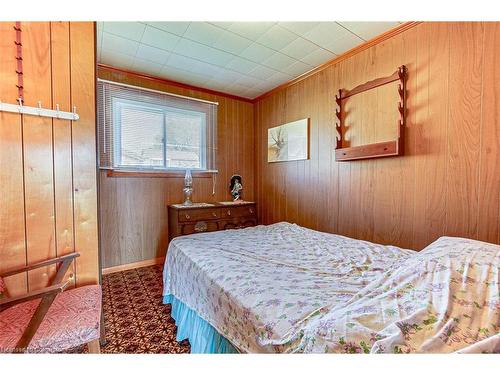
<point>148,130</point>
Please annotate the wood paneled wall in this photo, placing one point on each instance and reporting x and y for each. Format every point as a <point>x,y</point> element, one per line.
<point>448,183</point>
<point>48,191</point>
<point>133,210</point>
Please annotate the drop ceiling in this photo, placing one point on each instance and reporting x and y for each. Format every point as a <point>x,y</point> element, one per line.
<point>245,59</point>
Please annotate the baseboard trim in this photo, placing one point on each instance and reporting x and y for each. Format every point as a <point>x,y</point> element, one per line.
<point>131,266</point>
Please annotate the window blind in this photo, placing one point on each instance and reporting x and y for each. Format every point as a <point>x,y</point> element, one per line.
<point>141,129</point>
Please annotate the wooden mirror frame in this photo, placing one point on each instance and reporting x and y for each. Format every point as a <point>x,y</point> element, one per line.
<point>380,149</point>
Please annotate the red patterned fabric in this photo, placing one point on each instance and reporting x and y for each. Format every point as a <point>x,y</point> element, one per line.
<point>73,319</point>
<point>3,288</point>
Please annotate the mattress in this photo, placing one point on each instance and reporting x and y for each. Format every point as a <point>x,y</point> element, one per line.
<point>286,289</point>
<point>259,286</point>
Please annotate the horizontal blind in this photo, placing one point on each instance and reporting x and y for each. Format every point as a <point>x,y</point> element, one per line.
<point>145,129</point>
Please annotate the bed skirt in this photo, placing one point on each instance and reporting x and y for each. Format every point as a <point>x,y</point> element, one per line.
<point>202,337</point>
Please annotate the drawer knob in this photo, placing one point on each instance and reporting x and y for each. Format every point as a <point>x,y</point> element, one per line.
<point>188,217</point>
<point>251,210</point>
<point>228,212</point>
<point>214,214</point>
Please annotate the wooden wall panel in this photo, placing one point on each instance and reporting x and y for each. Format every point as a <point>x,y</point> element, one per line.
<point>83,73</point>
<point>38,204</point>
<point>12,225</point>
<point>448,181</point>
<point>133,210</point>
<point>62,139</point>
<point>38,152</point>
<point>489,171</point>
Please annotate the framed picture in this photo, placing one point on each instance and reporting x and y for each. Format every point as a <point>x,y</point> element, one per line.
<point>288,141</point>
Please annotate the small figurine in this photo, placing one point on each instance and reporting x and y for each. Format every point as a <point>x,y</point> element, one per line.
<point>236,187</point>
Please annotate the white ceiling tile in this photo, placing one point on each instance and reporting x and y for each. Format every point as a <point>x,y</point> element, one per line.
<point>224,55</point>
<point>278,61</point>
<point>250,30</point>
<point>206,69</point>
<point>241,65</point>
<point>257,53</point>
<point>181,62</point>
<point>177,28</point>
<point>326,32</point>
<point>368,30</point>
<point>129,30</point>
<point>248,81</point>
<point>298,48</point>
<point>343,44</point>
<point>117,59</point>
<point>146,66</point>
<point>203,32</point>
<point>318,57</point>
<point>159,39</point>
<point>111,42</point>
<point>224,25</point>
<point>153,54</point>
<point>230,76</point>
<point>296,69</point>
<point>279,78</point>
<point>276,38</point>
<point>203,52</point>
<point>262,72</point>
<point>181,75</point>
<point>299,28</point>
<point>231,42</point>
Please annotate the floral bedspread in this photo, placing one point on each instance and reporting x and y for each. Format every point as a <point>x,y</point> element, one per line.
<point>284,288</point>
<point>258,286</point>
<point>444,299</point>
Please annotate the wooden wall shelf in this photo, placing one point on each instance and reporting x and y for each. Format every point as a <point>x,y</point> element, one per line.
<point>373,150</point>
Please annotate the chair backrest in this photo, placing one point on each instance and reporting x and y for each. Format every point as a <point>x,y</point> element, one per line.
<point>3,288</point>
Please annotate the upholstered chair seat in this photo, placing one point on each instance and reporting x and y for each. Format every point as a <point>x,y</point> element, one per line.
<point>72,320</point>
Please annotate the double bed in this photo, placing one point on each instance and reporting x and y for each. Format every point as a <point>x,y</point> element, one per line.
<point>283,288</point>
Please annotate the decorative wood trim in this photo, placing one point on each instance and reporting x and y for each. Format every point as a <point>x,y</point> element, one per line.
<point>373,150</point>
<point>131,266</point>
<point>378,39</point>
<point>370,85</point>
<point>172,83</point>
<point>155,174</point>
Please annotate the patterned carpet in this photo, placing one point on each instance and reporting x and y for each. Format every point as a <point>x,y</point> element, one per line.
<point>136,320</point>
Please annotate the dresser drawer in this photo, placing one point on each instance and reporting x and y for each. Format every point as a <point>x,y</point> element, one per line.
<point>198,227</point>
<point>199,214</point>
<point>242,222</point>
<point>230,212</point>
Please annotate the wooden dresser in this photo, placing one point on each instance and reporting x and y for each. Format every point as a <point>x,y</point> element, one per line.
<point>183,220</point>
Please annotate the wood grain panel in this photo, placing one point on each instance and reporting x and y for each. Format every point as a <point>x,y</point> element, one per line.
<point>12,226</point>
<point>38,153</point>
<point>133,211</point>
<point>37,207</point>
<point>489,172</point>
<point>448,181</point>
<point>62,141</point>
<point>465,87</point>
<point>82,55</point>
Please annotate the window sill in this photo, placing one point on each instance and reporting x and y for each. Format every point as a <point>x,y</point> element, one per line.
<point>159,174</point>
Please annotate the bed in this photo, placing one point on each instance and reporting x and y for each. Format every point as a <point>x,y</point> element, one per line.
<point>283,288</point>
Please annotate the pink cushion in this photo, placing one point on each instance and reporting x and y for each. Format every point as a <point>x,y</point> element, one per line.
<point>3,288</point>
<point>73,319</point>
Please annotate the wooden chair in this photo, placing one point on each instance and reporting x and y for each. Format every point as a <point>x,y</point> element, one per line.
<point>50,320</point>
